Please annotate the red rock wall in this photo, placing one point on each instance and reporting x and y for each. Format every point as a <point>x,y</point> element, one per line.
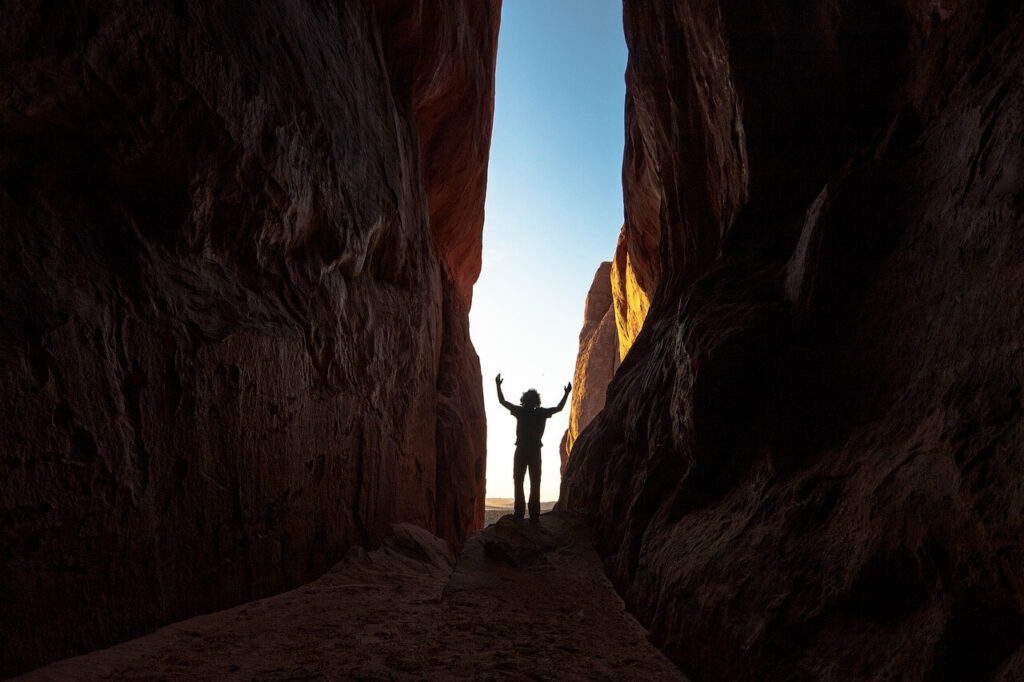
<point>630,301</point>
<point>238,247</point>
<point>614,314</point>
<point>596,361</point>
<point>809,463</point>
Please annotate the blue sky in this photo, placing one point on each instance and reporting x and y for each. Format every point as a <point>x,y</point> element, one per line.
<point>554,208</point>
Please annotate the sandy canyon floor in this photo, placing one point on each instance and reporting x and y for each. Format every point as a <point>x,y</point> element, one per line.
<point>522,602</point>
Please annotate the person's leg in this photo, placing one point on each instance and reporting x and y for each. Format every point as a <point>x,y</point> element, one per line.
<point>535,487</point>
<point>518,473</point>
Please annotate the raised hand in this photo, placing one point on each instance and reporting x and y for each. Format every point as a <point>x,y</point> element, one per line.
<point>568,387</point>
<point>498,380</point>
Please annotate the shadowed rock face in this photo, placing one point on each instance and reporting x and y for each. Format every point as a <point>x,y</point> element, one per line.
<point>809,463</point>
<point>238,247</point>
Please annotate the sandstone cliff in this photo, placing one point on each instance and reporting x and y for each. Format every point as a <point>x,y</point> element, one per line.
<point>808,466</point>
<point>237,248</point>
<point>631,300</point>
<point>597,359</point>
<point>614,313</point>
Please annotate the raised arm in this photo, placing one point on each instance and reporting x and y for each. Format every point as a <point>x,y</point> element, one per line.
<point>561,404</point>
<point>501,396</point>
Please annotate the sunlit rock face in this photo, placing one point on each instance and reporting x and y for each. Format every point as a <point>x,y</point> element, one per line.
<point>597,359</point>
<point>631,301</point>
<point>615,310</point>
<point>809,463</point>
<point>239,241</point>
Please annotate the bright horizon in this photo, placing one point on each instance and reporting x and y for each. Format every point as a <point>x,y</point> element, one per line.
<point>553,211</point>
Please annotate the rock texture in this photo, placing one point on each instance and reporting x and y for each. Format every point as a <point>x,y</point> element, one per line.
<point>597,359</point>
<point>809,463</point>
<point>614,314</point>
<point>631,301</point>
<point>237,246</point>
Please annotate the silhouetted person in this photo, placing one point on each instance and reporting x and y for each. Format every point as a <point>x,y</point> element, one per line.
<point>531,419</point>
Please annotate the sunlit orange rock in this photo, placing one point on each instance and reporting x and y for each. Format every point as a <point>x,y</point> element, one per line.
<point>614,327</point>
<point>239,242</point>
<point>597,359</point>
<point>631,301</point>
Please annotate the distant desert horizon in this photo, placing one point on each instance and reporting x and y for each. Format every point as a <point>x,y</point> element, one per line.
<point>503,502</point>
<point>496,507</point>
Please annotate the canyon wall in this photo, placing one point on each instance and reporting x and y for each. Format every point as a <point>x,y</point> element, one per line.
<point>596,361</point>
<point>808,466</point>
<point>237,248</point>
<point>614,313</point>
<point>630,299</point>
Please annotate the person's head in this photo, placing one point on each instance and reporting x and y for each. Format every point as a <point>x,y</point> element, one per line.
<point>530,398</point>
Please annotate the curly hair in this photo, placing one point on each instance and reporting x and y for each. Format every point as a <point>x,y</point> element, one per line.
<point>530,398</point>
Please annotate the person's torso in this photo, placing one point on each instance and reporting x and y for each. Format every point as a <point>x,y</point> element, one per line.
<point>530,424</point>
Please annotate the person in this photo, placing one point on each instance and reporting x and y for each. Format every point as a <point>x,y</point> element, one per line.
<point>530,421</point>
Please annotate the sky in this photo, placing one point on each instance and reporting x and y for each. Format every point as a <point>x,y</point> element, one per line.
<point>553,211</point>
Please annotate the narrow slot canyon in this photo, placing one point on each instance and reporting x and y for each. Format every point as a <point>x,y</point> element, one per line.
<point>243,424</point>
